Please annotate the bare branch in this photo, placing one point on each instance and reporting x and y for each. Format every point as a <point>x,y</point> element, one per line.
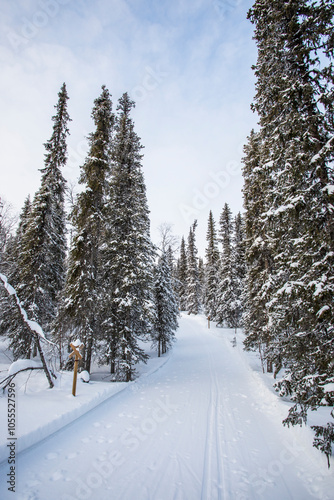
<point>167,238</point>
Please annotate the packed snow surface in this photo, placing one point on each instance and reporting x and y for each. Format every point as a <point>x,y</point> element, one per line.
<point>205,426</point>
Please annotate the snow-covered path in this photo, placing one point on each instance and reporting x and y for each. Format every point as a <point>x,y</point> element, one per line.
<point>203,427</point>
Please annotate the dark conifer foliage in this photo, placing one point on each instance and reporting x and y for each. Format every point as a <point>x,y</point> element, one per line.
<point>239,269</point>
<point>193,302</point>
<point>289,228</point>
<point>227,282</point>
<point>7,224</point>
<point>212,270</point>
<point>11,322</point>
<point>166,306</point>
<point>41,241</point>
<point>81,299</point>
<point>128,254</point>
<point>201,280</point>
<point>258,248</point>
<point>181,275</point>
<point>12,248</point>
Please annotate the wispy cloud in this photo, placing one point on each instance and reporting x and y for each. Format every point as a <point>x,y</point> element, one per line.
<point>187,68</point>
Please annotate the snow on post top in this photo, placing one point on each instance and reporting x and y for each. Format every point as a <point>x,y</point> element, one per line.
<point>77,343</point>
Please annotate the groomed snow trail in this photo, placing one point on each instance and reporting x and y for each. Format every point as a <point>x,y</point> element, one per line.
<point>203,427</point>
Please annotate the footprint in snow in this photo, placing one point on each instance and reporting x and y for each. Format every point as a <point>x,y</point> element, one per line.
<point>152,467</point>
<point>32,483</point>
<point>30,496</point>
<point>58,475</point>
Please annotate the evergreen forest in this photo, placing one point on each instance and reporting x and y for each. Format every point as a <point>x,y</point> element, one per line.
<point>91,271</point>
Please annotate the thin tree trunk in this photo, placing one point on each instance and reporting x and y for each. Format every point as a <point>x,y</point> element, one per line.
<point>261,357</point>
<point>88,359</point>
<point>45,368</point>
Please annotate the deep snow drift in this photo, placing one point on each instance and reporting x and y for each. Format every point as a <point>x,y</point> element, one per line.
<point>203,426</point>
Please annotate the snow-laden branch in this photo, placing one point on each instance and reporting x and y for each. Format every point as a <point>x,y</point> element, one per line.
<point>35,328</point>
<point>6,381</point>
<point>24,364</point>
<point>33,325</point>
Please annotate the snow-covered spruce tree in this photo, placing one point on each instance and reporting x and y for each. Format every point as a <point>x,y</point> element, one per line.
<point>258,252</point>
<point>2,230</point>
<point>212,270</point>
<point>13,247</point>
<point>11,321</point>
<point>201,279</point>
<point>295,103</point>
<point>79,313</point>
<point>193,303</point>
<point>226,290</point>
<point>128,254</point>
<point>7,223</point>
<point>181,275</point>
<point>40,267</point>
<point>239,268</point>
<point>173,266</point>
<point>166,306</point>
<point>9,242</point>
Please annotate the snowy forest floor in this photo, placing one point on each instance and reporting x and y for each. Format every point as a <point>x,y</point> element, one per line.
<point>202,423</point>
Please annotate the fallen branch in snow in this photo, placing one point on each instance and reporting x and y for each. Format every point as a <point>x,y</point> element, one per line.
<point>34,327</point>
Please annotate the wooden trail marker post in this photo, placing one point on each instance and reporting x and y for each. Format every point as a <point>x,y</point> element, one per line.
<point>209,322</point>
<point>78,356</point>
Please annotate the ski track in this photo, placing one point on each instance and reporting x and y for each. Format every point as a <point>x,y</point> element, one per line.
<point>203,427</point>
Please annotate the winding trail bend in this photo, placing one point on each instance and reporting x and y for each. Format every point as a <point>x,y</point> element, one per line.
<point>203,427</point>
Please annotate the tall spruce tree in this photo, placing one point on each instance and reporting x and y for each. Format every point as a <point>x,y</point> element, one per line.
<point>212,269</point>
<point>79,314</point>
<point>295,103</point>
<point>239,269</point>
<point>128,254</point>
<point>41,246</point>
<point>201,279</point>
<point>12,247</point>
<point>173,267</point>
<point>193,303</point>
<point>226,291</point>
<point>7,224</point>
<point>11,321</point>
<point>181,274</point>
<point>258,251</point>
<point>166,306</point>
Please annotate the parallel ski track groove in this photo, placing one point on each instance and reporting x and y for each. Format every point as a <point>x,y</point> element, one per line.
<point>212,433</point>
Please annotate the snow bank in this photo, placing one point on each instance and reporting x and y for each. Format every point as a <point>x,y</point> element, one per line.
<point>84,376</point>
<point>42,411</point>
<point>23,364</point>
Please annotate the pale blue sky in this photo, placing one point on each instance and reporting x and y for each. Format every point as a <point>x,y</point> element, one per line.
<point>186,63</point>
